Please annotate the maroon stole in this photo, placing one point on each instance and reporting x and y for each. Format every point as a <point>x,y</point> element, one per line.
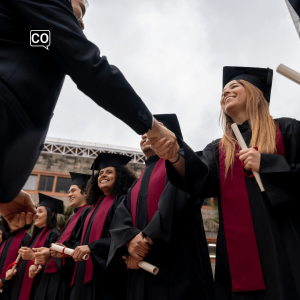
<point>155,189</point>
<point>96,233</point>
<point>27,282</point>
<point>65,236</point>
<point>13,250</point>
<point>244,261</point>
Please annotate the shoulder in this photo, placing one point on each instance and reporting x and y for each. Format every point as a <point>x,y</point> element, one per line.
<point>211,150</point>
<point>287,124</point>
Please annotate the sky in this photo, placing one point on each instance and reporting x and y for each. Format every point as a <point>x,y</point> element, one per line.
<point>172,52</point>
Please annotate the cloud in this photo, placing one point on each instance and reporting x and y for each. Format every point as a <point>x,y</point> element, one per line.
<point>172,52</point>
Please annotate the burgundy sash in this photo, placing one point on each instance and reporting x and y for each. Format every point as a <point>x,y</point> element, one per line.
<point>65,236</point>
<point>155,189</point>
<point>13,250</point>
<point>96,233</point>
<point>244,261</point>
<point>27,282</point>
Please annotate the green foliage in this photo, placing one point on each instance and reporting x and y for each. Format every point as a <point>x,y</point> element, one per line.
<point>63,219</point>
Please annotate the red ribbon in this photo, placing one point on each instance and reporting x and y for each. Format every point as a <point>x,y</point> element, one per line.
<point>11,265</point>
<point>32,262</point>
<point>252,175</point>
<point>64,255</point>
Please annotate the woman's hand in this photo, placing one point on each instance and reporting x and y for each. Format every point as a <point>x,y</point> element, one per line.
<point>132,263</point>
<point>9,274</point>
<point>55,253</point>
<point>80,251</point>
<point>251,159</point>
<point>138,248</point>
<point>34,270</point>
<point>42,255</point>
<point>26,253</point>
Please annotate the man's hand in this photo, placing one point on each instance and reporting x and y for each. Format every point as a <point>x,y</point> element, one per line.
<point>132,263</point>
<point>9,274</point>
<point>251,159</point>
<point>138,248</point>
<point>80,251</point>
<point>34,270</point>
<point>163,141</point>
<point>42,255</point>
<point>55,253</point>
<point>26,253</point>
<point>19,211</point>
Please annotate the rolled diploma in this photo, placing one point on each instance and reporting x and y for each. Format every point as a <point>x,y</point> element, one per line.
<point>288,73</point>
<point>16,262</point>
<point>244,146</point>
<point>67,251</point>
<point>146,266</point>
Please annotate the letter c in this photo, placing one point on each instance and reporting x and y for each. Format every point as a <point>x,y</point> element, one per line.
<point>35,41</point>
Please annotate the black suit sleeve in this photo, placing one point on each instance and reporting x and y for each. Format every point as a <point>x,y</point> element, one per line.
<point>81,60</point>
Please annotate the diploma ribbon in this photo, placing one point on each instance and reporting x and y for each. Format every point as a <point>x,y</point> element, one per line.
<point>252,175</point>
<point>11,265</point>
<point>64,255</point>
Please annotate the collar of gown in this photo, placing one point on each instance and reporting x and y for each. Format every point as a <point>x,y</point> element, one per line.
<point>244,126</point>
<point>151,160</point>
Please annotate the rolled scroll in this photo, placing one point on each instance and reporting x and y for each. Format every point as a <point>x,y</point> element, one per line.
<point>16,262</point>
<point>146,266</point>
<point>288,73</point>
<point>243,145</point>
<point>67,251</point>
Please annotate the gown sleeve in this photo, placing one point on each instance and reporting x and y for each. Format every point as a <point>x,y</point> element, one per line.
<point>201,171</point>
<point>280,175</point>
<point>121,230</point>
<point>80,59</point>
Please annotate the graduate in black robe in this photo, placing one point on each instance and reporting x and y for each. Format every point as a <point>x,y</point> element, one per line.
<point>16,238</point>
<point>156,209</point>
<point>257,255</point>
<point>56,279</point>
<point>27,102</point>
<point>45,232</point>
<point>92,280</point>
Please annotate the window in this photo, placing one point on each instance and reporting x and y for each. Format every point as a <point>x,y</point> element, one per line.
<point>30,183</point>
<point>63,185</point>
<point>46,183</point>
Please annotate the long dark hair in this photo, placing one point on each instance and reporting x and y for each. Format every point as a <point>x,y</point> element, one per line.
<point>6,228</point>
<point>124,180</point>
<point>51,221</point>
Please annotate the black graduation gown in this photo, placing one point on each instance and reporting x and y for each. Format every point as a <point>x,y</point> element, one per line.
<point>8,284</point>
<point>179,244</point>
<point>107,283</point>
<point>31,79</point>
<point>275,213</point>
<point>51,238</point>
<point>56,286</point>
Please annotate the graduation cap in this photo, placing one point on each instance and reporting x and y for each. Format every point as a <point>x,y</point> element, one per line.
<point>56,205</point>
<point>259,77</point>
<point>171,122</point>
<point>79,178</point>
<point>104,160</point>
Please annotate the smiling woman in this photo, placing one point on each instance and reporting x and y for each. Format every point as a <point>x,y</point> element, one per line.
<point>257,230</point>
<point>105,191</point>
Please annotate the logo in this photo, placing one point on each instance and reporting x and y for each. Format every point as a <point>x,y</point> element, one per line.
<point>40,38</point>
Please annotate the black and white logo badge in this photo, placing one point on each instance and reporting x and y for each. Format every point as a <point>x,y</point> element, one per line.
<point>40,38</point>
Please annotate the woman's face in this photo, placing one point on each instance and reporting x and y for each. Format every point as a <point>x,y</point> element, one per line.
<point>106,179</point>
<point>41,220</point>
<point>233,99</point>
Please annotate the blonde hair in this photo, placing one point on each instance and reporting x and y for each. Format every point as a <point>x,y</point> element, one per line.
<point>260,121</point>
